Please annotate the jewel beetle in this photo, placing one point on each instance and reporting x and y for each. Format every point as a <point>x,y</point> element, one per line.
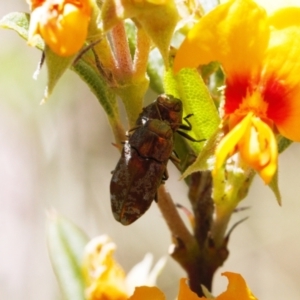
<point>142,166</point>
<point>140,170</point>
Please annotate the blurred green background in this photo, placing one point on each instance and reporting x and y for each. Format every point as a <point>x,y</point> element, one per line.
<point>59,155</point>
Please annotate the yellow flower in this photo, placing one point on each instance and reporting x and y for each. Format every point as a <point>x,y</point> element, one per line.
<point>106,280</point>
<point>63,24</point>
<point>260,57</point>
<point>237,289</point>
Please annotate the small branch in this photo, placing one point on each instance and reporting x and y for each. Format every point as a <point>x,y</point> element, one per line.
<point>219,227</point>
<point>121,50</point>
<point>172,217</point>
<point>141,53</point>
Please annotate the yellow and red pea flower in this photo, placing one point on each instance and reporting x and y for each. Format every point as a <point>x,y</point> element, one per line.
<point>105,279</point>
<point>260,58</point>
<point>63,24</point>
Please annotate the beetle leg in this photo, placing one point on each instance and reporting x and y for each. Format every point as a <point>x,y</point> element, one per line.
<point>175,154</point>
<point>157,110</point>
<point>165,175</point>
<point>187,136</point>
<point>189,126</point>
<point>175,160</point>
<point>119,147</point>
<point>134,128</point>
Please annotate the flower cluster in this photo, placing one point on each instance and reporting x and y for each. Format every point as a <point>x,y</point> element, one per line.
<point>105,279</point>
<point>63,24</point>
<point>259,54</point>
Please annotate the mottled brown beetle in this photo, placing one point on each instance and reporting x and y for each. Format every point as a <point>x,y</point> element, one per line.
<point>142,166</point>
<point>140,170</point>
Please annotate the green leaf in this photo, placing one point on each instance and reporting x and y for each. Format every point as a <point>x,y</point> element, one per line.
<point>66,244</point>
<point>206,158</point>
<point>190,88</point>
<point>19,22</point>
<point>86,68</point>
<point>283,143</point>
<point>275,188</point>
<point>56,67</point>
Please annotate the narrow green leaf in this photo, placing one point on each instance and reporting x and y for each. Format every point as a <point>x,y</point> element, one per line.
<point>19,22</point>
<point>66,244</point>
<point>56,67</point>
<point>283,143</point>
<point>87,70</point>
<point>275,188</point>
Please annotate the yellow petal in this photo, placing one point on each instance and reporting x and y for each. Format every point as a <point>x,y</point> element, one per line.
<point>281,77</point>
<point>273,5</point>
<point>285,17</point>
<point>63,26</point>
<point>235,33</point>
<point>230,141</point>
<point>258,149</point>
<point>185,292</point>
<point>237,288</point>
<point>147,293</point>
<point>103,276</point>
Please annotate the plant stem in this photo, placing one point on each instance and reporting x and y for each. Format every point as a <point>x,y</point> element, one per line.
<point>121,51</point>
<point>172,217</point>
<point>198,255</point>
<point>141,54</point>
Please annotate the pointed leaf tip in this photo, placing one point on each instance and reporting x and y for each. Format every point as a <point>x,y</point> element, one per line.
<point>66,244</point>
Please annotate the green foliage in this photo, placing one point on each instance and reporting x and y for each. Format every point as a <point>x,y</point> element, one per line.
<point>19,22</point>
<point>56,67</point>
<point>188,86</point>
<point>66,244</point>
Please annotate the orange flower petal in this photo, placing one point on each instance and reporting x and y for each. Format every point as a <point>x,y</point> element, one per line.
<point>258,148</point>
<point>285,17</point>
<point>147,293</point>
<point>236,289</point>
<point>103,276</point>
<point>230,141</point>
<point>235,33</point>
<point>62,25</point>
<point>282,84</point>
<point>185,293</point>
